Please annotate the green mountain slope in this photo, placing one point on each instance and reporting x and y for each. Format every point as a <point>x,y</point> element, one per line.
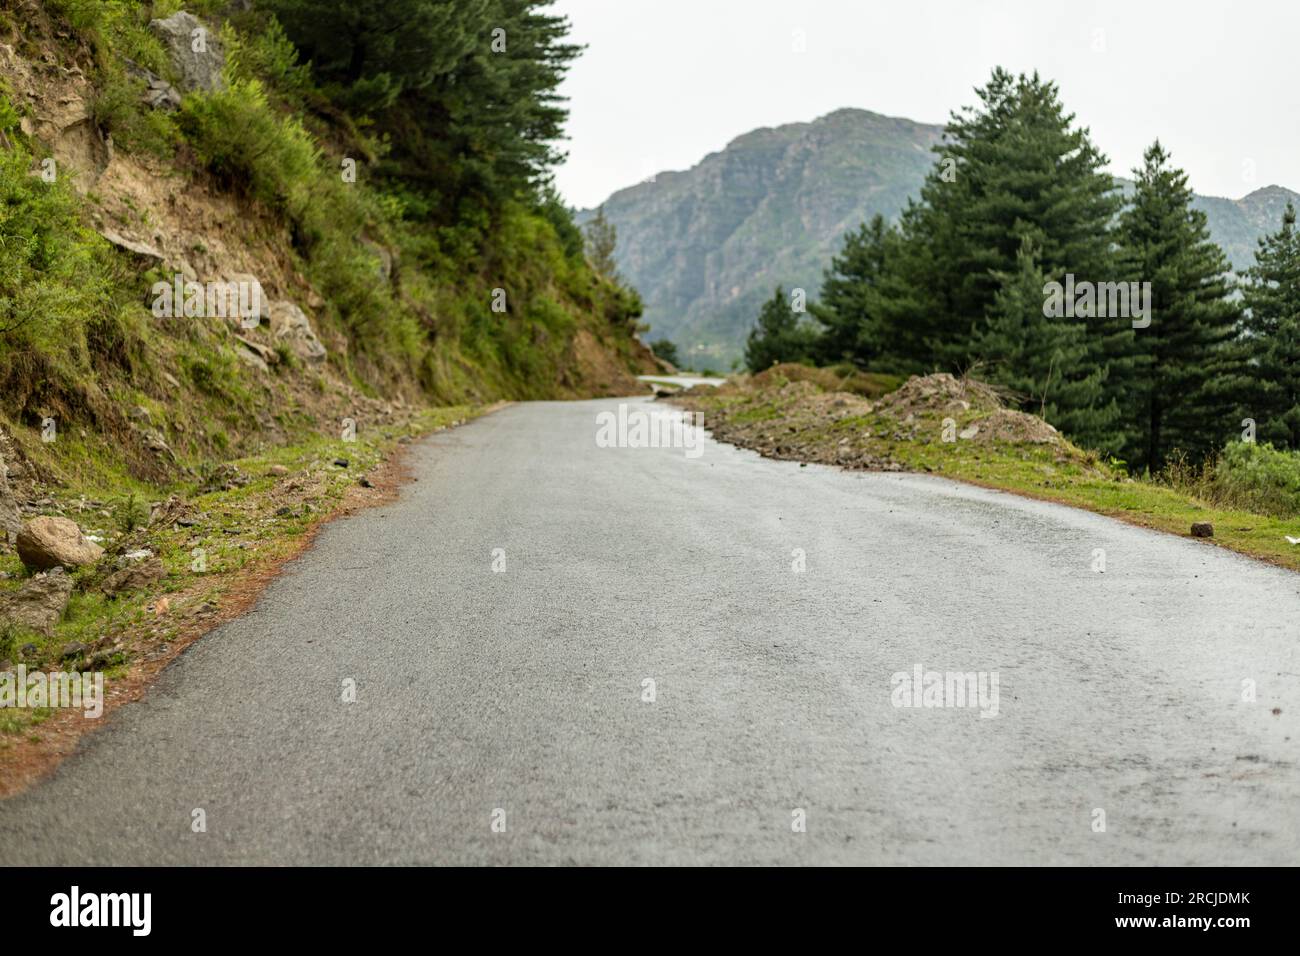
<point>706,246</point>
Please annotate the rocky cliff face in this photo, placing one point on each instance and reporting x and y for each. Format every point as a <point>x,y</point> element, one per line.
<point>706,246</point>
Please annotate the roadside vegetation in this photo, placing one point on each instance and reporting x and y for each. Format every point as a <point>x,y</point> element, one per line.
<point>962,428</point>
<point>1113,317</point>
<point>381,173</point>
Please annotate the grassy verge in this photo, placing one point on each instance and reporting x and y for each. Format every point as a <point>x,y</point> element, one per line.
<point>212,543</point>
<point>798,420</point>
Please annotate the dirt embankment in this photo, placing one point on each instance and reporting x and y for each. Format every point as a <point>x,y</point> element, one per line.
<point>787,413</point>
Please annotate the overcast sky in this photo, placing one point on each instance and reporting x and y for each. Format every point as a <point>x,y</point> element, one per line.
<point>665,82</point>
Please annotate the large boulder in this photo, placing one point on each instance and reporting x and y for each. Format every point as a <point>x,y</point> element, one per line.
<point>39,604</point>
<point>194,49</point>
<point>290,325</point>
<point>47,542</point>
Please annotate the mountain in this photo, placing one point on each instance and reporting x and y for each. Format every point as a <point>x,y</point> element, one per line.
<point>706,246</point>
<point>1238,224</point>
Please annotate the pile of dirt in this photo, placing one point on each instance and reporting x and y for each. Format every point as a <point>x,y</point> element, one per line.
<point>924,397</point>
<point>778,375</point>
<point>786,413</point>
<point>843,378</point>
<point>1008,425</point>
<point>939,392</point>
<point>789,422</point>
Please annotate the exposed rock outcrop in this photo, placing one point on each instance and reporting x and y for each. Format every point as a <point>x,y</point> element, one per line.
<point>11,521</point>
<point>195,50</point>
<point>289,324</point>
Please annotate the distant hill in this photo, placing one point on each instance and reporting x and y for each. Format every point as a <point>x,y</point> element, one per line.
<point>1237,224</point>
<point>707,245</point>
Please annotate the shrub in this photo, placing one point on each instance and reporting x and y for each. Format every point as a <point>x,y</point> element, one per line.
<point>115,28</point>
<point>268,55</point>
<point>54,274</point>
<point>665,349</point>
<point>237,135</point>
<point>1258,478</point>
<point>117,108</point>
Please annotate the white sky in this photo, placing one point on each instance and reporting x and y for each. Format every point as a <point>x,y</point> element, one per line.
<point>664,82</point>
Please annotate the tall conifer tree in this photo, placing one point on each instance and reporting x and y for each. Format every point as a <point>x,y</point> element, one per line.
<point>1178,404</point>
<point>1272,339</point>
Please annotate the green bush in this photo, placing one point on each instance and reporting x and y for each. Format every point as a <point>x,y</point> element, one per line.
<point>115,28</point>
<point>237,134</point>
<point>268,55</point>
<point>1258,478</point>
<point>118,109</point>
<point>666,349</point>
<point>54,274</point>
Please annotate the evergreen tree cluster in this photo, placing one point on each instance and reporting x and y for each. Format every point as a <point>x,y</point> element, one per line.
<point>1157,351</point>
<point>463,91</point>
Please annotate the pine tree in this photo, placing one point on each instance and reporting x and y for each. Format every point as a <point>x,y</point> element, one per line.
<point>1043,360</point>
<point>847,311</point>
<point>666,349</point>
<point>601,238</point>
<point>1272,339</point>
<point>1179,403</point>
<point>1016,162</point>
<point>778,336</point>
<point>465,90</point>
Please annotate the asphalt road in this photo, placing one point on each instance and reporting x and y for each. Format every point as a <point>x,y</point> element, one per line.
<point>518,695</point>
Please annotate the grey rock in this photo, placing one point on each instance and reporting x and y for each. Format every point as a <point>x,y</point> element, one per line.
<point>252,360</point>
<point>254,298</point>
<point>196,69</point>
<point>136,577</point>
<point>267,355</point>
<point>11,521</point>
<point>139,247</point>
<point>161,95</point>
<point>39,604</point>
<point>106,658</point>
<point>289,324</point>
<point>224,478</point>
<point>153,440</point>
